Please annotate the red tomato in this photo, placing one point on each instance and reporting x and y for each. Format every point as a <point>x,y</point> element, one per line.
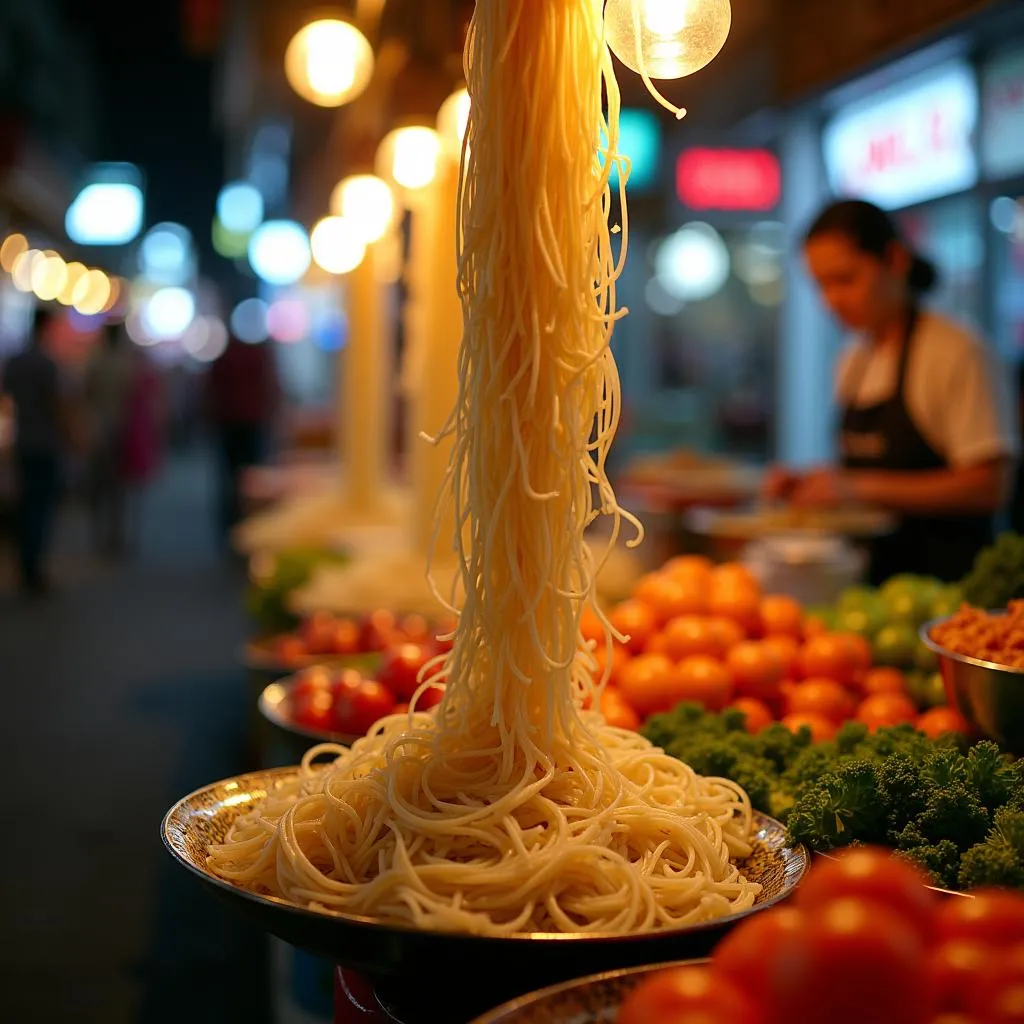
<point>757,669</point>
<point>994,917</point>
<point>823,697</point>
<point>401,669</point>
<point>855,962</point>
<point>953,970</point>
<point>703,680</point>
<point>727,632</point>
<point>347,637</point>
<point>829,656</point>
<point>739,602</point>
<point>858,651</point>
<point>357,709</point>
<point>378,631</point>
<point>687,995</point>
<point>788,651</point>
<point>866,873</point>
<point>619,659</point>
<point>311,706</point>
<point>883,680</point>
<point>884,709</point>
<point>689,568</point>
<point>758,716</point>
<point>781,616</point>
<point>746,957</point>
<point>822,728</point>
<point>290,650</point>
<point>687,635</point>
<point>648,684</point>
<point>318,633</point>
<point>937,721</point>
<point>669,598</point>
<point>635,621</point>
<point>316,677</point>
<point>415,629</point>
<point>997,996</point>
<point>401,709</point>
<point>618,712</point>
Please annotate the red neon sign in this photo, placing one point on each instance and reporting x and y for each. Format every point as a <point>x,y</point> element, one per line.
<point>729,179</point>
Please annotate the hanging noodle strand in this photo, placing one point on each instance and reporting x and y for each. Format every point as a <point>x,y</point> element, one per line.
<point>509,809</point>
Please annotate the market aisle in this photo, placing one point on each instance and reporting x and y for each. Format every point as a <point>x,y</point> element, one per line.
<point>122,692</point>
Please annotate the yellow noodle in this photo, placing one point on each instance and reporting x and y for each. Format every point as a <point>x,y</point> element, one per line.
<point>509,809</point>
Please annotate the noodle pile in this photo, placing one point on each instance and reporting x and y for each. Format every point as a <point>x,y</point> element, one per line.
<point>510,810</point>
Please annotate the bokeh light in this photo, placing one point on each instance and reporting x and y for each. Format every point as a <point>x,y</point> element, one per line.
<point>105,213</point>
<point>337,246</point>
<point>75,272</point>
<point>240,208</point>
<point>692,264</point>
<point>279,252</point>
<point>677,37</point>
<point>165,256</point>
<point>168,313</point>
<point>21,271</point>
<point>330,332</point>
<point>205,339</point>
<point>231,245</point>
<point>13,246</point>
<point>92,293</point>
<point>329,62</point>
<point>408,156</point>
<point>288,321</point>
<point>49,276</point>
<point>453,119</point>
<point>367,203</point>
<point>249,321</point>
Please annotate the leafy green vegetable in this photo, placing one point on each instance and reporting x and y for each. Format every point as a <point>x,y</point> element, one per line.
<point>997,576</point>
<point>266,600</point>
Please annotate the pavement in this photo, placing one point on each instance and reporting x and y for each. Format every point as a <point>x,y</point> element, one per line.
<point>122,692</point>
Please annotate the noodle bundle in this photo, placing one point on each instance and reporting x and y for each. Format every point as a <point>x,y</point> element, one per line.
<point>509,809</point>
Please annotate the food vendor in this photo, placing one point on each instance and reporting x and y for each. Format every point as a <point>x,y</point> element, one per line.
<point>927,429</point>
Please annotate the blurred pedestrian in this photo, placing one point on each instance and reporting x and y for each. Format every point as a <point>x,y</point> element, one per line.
<point>242,399</point>
<point>32,382</point>
<point>108,385</point>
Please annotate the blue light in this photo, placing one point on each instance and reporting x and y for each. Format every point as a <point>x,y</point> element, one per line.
<point>640,140</point>
<point>105,213</point>
<point>279,252</point>
<point>240,207</point>
<point>331,332</point>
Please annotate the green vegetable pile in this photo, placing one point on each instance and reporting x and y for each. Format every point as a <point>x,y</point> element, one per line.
<point>957,812</point>
<point>998,574</point>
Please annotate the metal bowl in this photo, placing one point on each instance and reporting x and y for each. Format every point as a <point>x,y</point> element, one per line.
<point>404,962</point>
<point>989,696</point>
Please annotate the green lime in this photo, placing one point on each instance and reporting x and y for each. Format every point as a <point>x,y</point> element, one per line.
<point>901,606</point>
<point>945,602</point>
<point>866,619</point>
<point>895,645</point>
<point>934,691</point>
<point>856,597</point>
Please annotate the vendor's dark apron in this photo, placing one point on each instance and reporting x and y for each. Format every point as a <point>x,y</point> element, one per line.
<point>884,437</point>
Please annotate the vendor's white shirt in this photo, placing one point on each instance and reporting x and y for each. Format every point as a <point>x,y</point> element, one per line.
<point>956,392</point>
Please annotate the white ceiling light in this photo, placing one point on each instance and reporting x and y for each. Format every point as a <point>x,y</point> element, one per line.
<point>105,213</point>
<point>279,252</point>
<point>692,264</point>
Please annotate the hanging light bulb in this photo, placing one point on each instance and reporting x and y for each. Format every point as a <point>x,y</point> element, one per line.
<point>367,203</point>
<point>666,39</point>
<point>408,156</point>
<point>329,62</point>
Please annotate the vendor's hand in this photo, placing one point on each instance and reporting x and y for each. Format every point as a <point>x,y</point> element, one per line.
<point>823,488</point>
<point>779,483</point>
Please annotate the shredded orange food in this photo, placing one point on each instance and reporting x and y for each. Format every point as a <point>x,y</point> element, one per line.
<point>980,634</point>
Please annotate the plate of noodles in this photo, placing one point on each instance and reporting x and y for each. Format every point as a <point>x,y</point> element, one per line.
<point>402,953</point>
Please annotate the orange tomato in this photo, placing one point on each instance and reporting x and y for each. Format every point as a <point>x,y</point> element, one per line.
<point>738,602</point>
<point>781,615</point>
<point>648,683</point>
<point>788,649</point>
<point>935,722</point>
<point>813,626</point>
<point>705,680</point>
<point>669,598</point>
<point>859,651</point>
<point>728,632</point>
<point>757,669</point>
<point>619,658</point>
<point>829,656</point>
<point>591,627</point>
<point>882,709</point>
<point>657,645</point>
<point>689,568</point>
<point>823,697</point>
<point>822,728</point>
<point>883,680</point>
<point>691,634</point>
<point>618,712</point>
<point>649,586</point>
<point>758,716</point>
<point>636,621</point>
<point>731,574</point>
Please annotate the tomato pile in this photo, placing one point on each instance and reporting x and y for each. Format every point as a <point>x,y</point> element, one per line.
<point>705,633</point>
<point>346,702</point>
<point>326,635</point>
<point>864,940</point>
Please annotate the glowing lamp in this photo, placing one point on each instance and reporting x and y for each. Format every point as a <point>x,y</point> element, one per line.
<point>14,245</point>
<point>367,204</point>
<point>75,272</point>
<point>92,293</point>
<point>49,277</point>
<point>667,38</point>
<point>453,119</point>
<point>337,246</point>
<point>408,156</point>
<point>329,62</point>
<point>279,252</point>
